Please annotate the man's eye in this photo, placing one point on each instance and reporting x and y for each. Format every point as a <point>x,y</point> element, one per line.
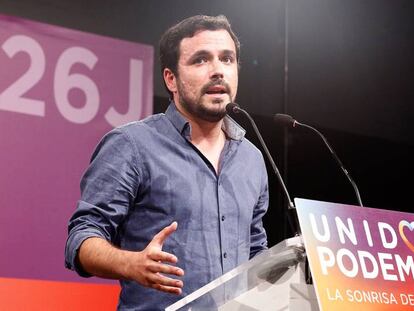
<point>200,60</point>
<point>227,59</point>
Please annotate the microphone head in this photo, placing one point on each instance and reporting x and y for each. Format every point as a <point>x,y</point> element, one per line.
<point>284,119</point>
<point>232,108</point>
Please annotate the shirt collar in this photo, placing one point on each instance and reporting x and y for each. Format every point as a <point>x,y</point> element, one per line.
<point>232,129</point>
<point>176,118</point>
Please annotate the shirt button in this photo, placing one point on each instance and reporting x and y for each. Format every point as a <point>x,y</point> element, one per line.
<point>223,217</point>
<point>225,255</point>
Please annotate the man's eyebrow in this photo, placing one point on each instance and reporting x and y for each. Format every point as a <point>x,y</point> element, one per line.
<point>198,54</point>
<point>228,52</point>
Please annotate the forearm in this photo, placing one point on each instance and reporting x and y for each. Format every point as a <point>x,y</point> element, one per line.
<point>148,267</point>
<point>98,257</point>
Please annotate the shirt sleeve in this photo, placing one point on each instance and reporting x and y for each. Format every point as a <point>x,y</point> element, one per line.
<point>258,237</point>
<point>108,189</point>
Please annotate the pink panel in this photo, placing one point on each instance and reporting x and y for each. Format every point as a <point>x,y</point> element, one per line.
<point>60,91</point>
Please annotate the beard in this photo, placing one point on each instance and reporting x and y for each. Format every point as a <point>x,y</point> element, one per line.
<point>199,108</point>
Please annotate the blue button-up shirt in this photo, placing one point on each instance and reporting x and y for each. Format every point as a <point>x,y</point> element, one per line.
<point>147,174</point>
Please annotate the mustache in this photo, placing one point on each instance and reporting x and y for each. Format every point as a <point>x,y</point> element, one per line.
<point>212,83</point>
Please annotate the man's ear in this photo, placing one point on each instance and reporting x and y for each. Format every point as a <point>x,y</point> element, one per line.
<point>170,80</point>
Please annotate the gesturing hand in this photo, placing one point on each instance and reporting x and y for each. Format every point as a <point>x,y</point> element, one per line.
<point>147,267</point>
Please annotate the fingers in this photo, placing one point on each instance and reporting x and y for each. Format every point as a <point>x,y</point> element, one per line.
<point>165,269</point>
<point>159,279</point>
<point>155,279</point>
<point>162,256</point>
<point>151,272</point>
<point>167,289</point>
<point>161,236</point>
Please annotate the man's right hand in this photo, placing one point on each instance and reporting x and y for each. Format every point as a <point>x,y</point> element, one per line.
<point>148,266</point>
<point>98,257</point>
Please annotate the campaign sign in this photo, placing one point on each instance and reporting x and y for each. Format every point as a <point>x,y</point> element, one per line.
<point>61,90</point>
<point>360,258</point>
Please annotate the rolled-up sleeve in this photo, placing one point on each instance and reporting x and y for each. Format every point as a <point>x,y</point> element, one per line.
<point>108,189</point>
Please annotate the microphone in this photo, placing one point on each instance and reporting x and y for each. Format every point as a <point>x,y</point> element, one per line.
<point>234,108</point>
<point>288,121</point>
<point>284,119</point>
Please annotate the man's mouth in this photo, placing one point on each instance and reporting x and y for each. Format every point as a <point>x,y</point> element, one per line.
<point>216,90</point>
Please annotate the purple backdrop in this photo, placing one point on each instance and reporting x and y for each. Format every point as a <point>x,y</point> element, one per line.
<point>60,91</point>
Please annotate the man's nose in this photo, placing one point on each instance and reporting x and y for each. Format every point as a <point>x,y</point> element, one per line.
<point>217,71</point>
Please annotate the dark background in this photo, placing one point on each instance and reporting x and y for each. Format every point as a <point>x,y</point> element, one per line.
<point>344,67</point>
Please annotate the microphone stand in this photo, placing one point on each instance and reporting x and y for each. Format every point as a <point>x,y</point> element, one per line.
<point>287,120</point>
<point>292,215</point>
<point>336,159</point>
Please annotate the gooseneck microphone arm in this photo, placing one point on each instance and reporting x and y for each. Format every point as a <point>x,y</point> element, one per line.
<point>292,216</point>
<point>289,121</point>
<point>337,160</point>
<point>232,107</point>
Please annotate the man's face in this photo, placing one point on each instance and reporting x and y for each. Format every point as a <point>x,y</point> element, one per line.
<point>207,74</point>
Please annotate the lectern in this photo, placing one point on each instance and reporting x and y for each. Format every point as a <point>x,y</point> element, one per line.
<point>273,280</point>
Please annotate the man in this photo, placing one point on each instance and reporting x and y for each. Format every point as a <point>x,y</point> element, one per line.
<point>172,202</point>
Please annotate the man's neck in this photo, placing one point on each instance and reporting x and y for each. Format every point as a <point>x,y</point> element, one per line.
<point>208,137</point>
<point>202,130</point>
<point>205,132</point>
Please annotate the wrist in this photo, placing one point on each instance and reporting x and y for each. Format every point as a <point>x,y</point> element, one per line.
<point>128,263</point>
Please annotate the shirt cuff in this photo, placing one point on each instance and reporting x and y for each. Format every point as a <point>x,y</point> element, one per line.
<point>72,248</point>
